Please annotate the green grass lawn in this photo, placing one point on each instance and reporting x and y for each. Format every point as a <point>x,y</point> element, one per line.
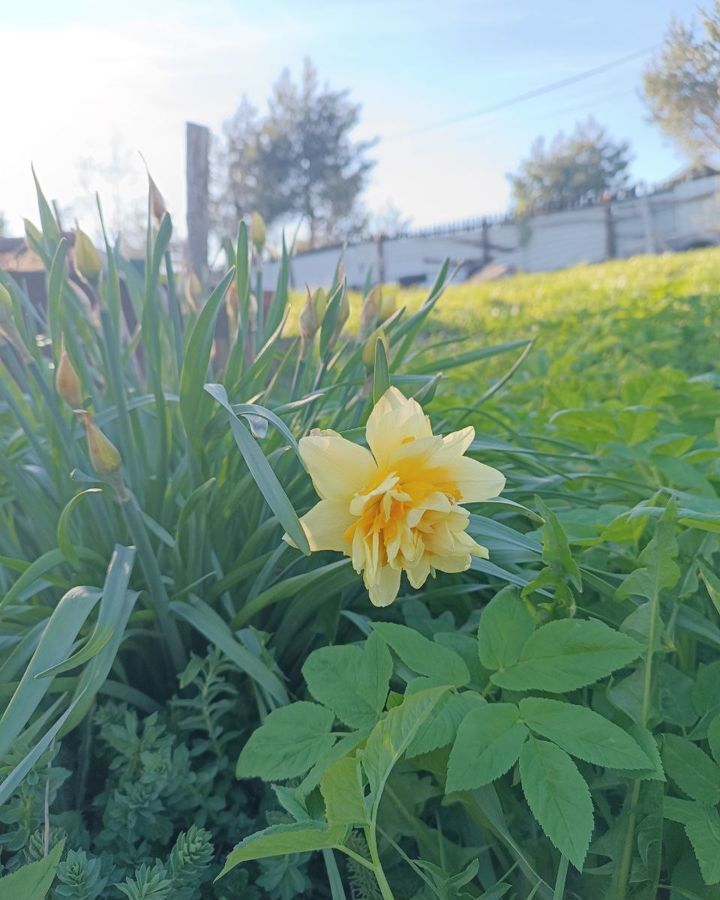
<point>593,326</point>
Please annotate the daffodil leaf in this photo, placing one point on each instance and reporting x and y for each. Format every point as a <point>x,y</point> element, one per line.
<point>262,471</point>
<point>33,881</point>
<point>381,372</point>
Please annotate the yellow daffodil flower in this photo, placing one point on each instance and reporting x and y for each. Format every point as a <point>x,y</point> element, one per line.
<point>396,507</point>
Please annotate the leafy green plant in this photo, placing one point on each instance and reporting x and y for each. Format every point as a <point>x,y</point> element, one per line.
<point>155,628</point>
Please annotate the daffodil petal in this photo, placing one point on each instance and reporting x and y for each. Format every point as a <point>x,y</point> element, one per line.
<point>325,525</point>
<point>338,467</point>
<point>457,442</point>
<point>394,421</point>
<point>386,586</point>
<point>450,564</point>
<point>418,574</point>
<point>475,480</point>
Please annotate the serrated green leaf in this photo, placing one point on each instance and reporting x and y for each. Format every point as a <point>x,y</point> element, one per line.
<point>583,733</point>
<point>556,549</point>
<point>352,681</point>
<point>488,743</point>
<point>287,743</point>
<point>704,835</point>
<point>341,788</point>
<point>441,727</point>
<point>279,840</point>
<point>714,738</point>
<point>702,826</point>
<point>424,656</point>
<point>691,769</point>
<point>558,797</point>
<point>658,569</point>
<point>391,737</point>
<point>567,654</point>
<point>505,626</point>
<point>344,747</point>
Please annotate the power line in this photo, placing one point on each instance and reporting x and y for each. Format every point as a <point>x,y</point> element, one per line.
<point>528,95</point>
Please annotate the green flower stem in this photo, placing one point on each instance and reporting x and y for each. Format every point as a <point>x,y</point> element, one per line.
<point>360,860</point>
<point>559,891</point>
<point>157,593</point>
<point>371,838</point>
<point>626,858</point>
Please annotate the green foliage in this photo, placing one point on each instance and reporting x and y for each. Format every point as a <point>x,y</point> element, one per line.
<point>558,797</point>
<point>568,654</point>
<point>32,881</point>
<point>288,742</point>
<point>80,877</point>
<point>155,630</point>
<point>573,169</point>
<point>297,160</point>
<point>679,85</point>
<point>352,681</point>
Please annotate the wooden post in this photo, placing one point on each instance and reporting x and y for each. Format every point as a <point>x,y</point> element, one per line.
<point>485,242</point>
<point>610,241</point>
<point>197,180</point>
<point>380,244</point>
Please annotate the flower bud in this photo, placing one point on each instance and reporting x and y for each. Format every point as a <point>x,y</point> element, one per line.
<point>369,312</point>
<point>386,305</point>
<point>319,303</point>
<point>253,311</point>
<point>232,307</point>
<point>104,456</point>
<point>368,354</point>
<point>157,201</point>
<point>308,321</point>
<point>67,382</point>
<point>257,231</point>
<point>87,259</point>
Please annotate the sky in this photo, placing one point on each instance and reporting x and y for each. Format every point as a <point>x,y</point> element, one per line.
<point>90,86</point>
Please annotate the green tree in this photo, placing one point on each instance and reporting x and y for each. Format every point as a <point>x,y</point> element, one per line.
<point>681,86</point>
<point>237,175</point>
<point>297,161</point>
<point>3,225</point>
<point>572,169</point>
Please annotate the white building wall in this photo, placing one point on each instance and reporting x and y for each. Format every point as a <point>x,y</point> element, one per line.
<point>674,219</point>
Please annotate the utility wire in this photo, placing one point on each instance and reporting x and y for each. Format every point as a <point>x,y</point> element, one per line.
<point>521,98</point>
